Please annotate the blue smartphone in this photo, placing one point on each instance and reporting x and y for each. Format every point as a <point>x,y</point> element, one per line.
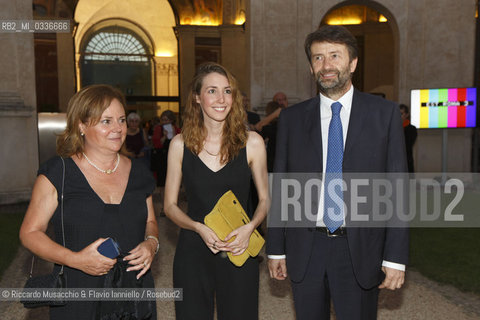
<point>109,248</point>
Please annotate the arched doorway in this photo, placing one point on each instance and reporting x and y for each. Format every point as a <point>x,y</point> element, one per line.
<point>118,56</point>
<point>153,87</point>
<point>376,69</point>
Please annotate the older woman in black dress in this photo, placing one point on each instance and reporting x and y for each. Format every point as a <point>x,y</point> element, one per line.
<point>105,195</point>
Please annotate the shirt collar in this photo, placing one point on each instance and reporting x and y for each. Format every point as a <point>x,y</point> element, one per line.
<point>345,100</point>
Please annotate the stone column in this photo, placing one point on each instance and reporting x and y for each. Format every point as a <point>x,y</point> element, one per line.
<point>234,53</point>
<point>18,117</point>
<point>186,59</point>
<point>66,69</point>
<point>277,31</point>
<point>166,82</point>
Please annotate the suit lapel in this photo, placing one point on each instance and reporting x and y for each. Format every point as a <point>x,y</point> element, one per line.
<point>313,127</point>
<point>357,115</point>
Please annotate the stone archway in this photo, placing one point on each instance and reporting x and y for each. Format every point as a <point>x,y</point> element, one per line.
<point>149,23</point>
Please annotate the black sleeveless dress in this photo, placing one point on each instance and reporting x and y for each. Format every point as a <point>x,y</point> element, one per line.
<point>87,218</point>
<point>204,276</point>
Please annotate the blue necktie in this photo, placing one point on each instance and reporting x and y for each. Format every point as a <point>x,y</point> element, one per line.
<point>333,212</point>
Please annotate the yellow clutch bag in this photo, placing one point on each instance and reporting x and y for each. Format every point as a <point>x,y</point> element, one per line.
<point>228,215</point>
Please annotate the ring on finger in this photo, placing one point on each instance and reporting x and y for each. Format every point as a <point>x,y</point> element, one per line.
<point>214,245</point>
<point>144,263</point>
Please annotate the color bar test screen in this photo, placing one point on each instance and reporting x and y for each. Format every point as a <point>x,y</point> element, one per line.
<point>444,108</point>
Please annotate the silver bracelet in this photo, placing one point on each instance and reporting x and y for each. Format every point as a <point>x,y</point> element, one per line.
<point>156,239</point>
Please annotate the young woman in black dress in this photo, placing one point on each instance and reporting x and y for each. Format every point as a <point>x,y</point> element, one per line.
<point>215,153</point>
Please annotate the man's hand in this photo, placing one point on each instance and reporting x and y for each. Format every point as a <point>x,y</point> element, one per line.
<point>394,278</point>
<point>277,268</point>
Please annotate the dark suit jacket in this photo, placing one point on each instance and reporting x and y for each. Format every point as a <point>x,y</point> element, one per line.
<point>375,143</point>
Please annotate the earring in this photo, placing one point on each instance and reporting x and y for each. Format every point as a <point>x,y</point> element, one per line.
<point>82,134</point>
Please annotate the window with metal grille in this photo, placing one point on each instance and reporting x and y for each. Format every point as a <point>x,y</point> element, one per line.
<point>115,46</point>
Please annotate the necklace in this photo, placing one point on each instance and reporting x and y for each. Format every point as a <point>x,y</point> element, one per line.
<point>212,154</point>
<point>109,171</point>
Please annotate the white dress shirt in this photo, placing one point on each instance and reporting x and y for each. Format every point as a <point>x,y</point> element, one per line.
<point>325,117</point>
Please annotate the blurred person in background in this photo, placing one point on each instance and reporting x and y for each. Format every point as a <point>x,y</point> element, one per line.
<point>136,139</point>
<point>410,136</point>
<point>269,133</point>
<point>163,133</point>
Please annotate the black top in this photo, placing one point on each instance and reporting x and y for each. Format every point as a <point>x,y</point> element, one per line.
<point>204,187</point>
<point>87,218</point>
<point>410,138</point>
<point>252,117</point>
<point>270,132</point>
<point>135,143</point>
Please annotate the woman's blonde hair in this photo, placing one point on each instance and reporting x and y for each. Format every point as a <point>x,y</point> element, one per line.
<point>87,107</point>
<point>234,136</point>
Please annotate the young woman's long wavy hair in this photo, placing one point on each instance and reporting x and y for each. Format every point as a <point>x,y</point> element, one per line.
<point>87,107</point>
<point>234,135</point>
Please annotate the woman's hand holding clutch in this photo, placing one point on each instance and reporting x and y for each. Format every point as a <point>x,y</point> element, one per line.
<point>210,238</point>
<point>242,238</point>
<point>90,261</point>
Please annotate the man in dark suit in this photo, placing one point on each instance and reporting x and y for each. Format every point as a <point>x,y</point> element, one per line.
<point>340,131</point>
